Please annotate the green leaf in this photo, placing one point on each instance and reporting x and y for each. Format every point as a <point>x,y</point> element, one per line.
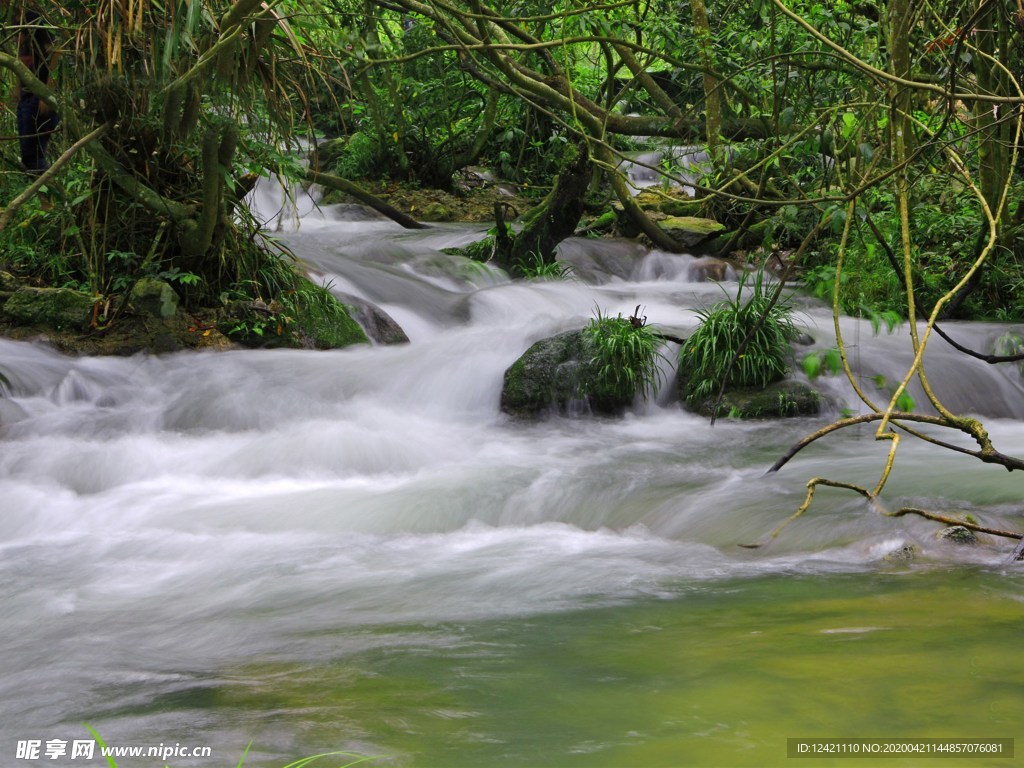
<point>905,402</point>
<point>849,125</point>
<point>833,361</point>
<point>812,366</point>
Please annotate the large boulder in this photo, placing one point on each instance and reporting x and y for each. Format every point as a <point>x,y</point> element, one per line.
<point>56,308</point>
<point>548,377</point>
<point>557,375</point>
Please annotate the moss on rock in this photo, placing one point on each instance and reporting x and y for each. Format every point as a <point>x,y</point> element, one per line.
<point>50,308</point>
<point>690,231</point>
<point>309,317</point>
<point>958,534</point>
<point>548,377</point>
<point>782,399</point>
<point>154,298</point>
<point>322,321</point>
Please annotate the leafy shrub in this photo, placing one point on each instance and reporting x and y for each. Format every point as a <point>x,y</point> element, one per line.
<point>707,356</point>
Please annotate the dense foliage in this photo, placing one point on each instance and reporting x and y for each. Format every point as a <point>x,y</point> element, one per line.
<point>886,116</point>
<point>172,111</point>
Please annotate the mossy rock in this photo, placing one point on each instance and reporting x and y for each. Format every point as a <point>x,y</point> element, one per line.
<point>602,223</point>
<point>903,555</point>
<point>378,325</point>
<point>311,319</point>
<point>8,282</point>
<point>131,334</point>
<point>57,308</point>
<point>555,375</point>
<point>673,202</point>
<point>548,377</point>
<point>669,204</point>
<point>690,231</point>
<point>325,323</point>
<point>783,399</point>
<point>686,206</point>
<point>154,298</point>
<point>437,211</point>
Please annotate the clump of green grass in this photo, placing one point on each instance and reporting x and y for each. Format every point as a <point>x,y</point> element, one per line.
<point>625,361</point>
<point>743,341</point>
<point>535,268</point>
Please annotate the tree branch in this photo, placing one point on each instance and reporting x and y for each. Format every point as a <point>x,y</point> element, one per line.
<point>360,194</point>
<point>49,173</point>
<point>987,454</point>
<point>945,519</point>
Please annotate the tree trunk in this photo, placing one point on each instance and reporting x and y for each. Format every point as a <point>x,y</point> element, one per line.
<point>550,222</point>
<point>712,92</point>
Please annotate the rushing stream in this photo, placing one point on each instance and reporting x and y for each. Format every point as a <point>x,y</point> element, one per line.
<point>355,550</point>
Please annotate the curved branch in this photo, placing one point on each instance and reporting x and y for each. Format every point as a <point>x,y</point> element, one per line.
<point>49,173</point>
<point>987,454</point>
<point>29,80</point>
<point>991,359</point>
<point>887,76</point>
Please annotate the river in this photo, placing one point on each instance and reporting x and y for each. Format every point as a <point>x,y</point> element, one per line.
<point>356,551</point>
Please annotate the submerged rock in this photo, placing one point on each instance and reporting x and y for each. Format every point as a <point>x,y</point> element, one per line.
<point>958,534</point>
<point>903,555</point>
<point>709,269</point>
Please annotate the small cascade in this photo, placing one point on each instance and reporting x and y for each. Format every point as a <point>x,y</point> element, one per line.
<point>280,205</point>
<point>649,168</point>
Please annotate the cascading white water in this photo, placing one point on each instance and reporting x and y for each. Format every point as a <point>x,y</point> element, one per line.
<point>170,520</point>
